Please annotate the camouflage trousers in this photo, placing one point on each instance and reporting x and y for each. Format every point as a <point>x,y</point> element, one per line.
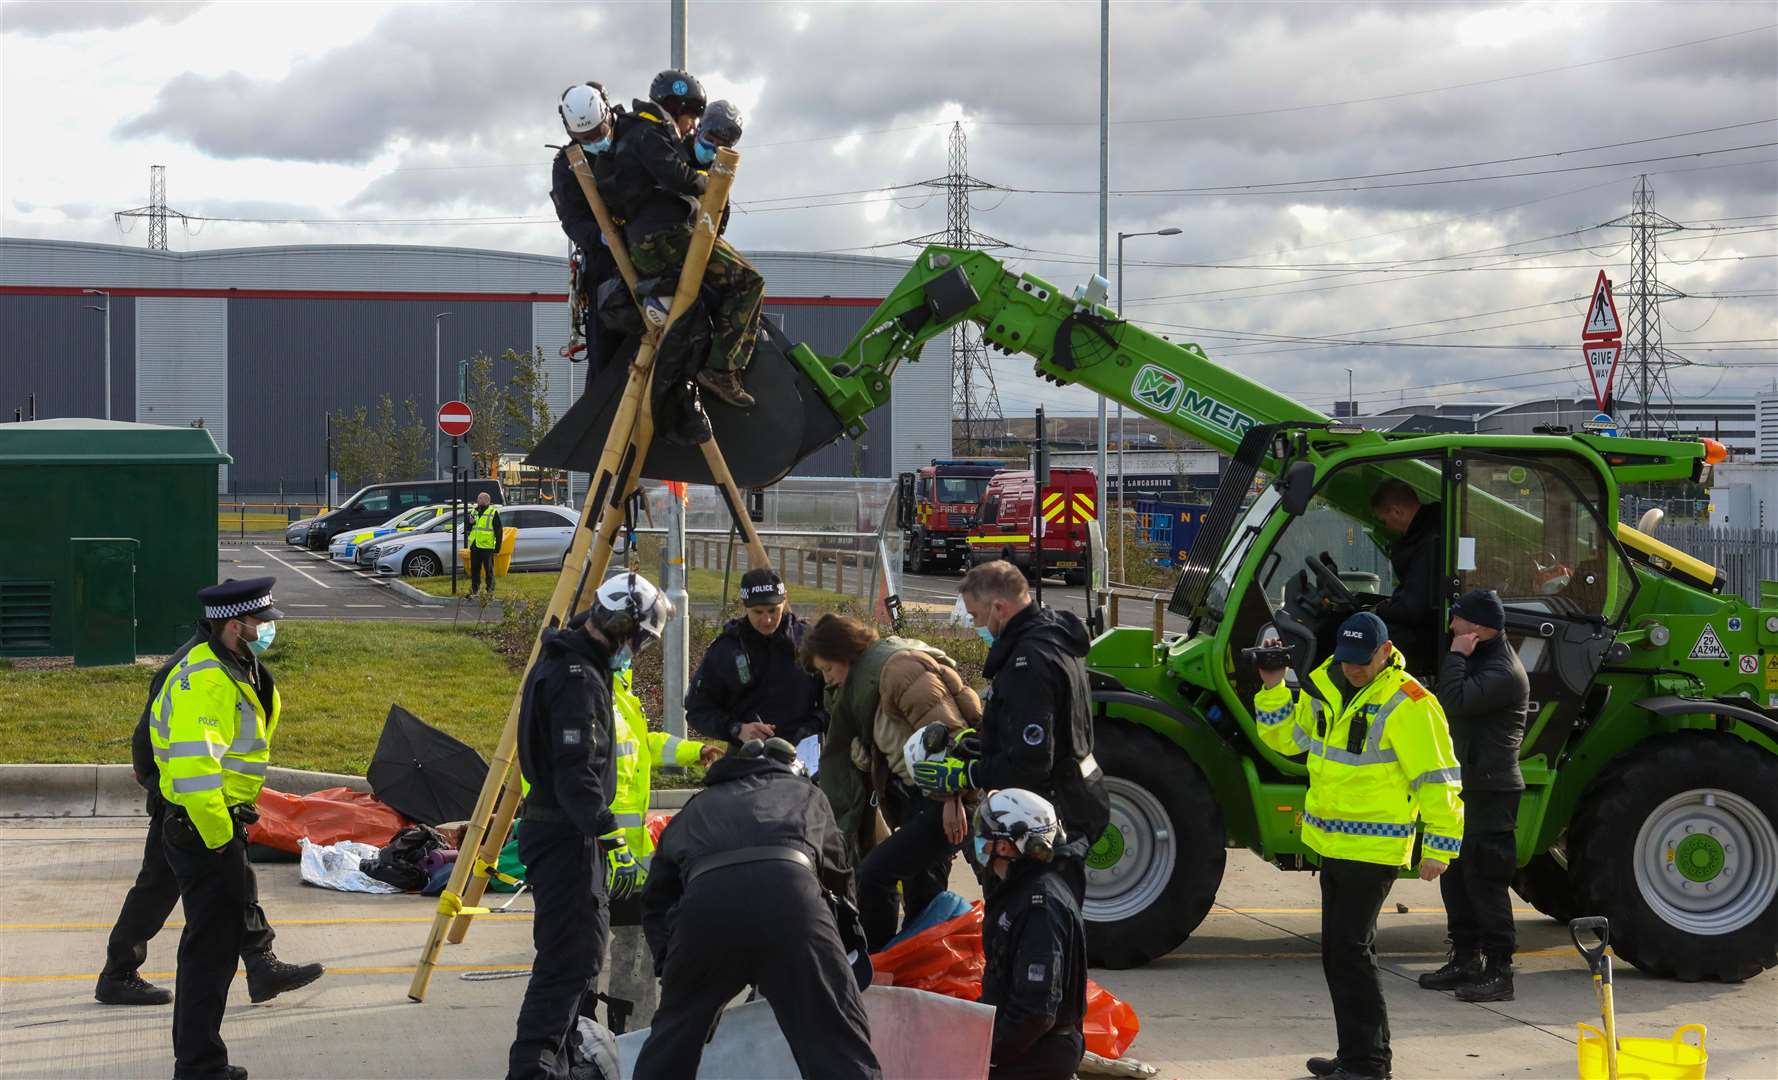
<point>739,287</point>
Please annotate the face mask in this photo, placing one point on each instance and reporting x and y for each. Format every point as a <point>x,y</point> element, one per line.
<point>704,151</point>
<point>598,147</point>
<point>620,660</point>
<point>268,633</point>
<point>981,849</point>
<point>985,634</point>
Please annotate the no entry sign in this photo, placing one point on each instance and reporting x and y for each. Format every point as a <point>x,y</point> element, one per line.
<point>455,419</point>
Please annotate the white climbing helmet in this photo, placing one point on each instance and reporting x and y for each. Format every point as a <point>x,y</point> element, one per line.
<point>1024,817</point>
<point>929,743</point>
<point>583,109</point>
<point>629,610</point>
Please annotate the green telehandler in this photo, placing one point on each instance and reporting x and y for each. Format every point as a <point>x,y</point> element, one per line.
<point>1651,756</point>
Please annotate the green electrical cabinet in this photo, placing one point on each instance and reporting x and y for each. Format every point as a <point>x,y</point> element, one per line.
<point>111,531</point>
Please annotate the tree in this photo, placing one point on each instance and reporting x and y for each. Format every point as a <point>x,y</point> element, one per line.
<point>528,413</point>
<point>488,398</point>
<point>354,452</point>
<point>408,447</point>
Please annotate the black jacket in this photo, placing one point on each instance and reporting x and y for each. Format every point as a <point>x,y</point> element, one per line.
<point>1037,723</point>
<point>1486,697</point>
<point>746,802</point>
<point>746,677</point>
<point>142,762</point>
<point>652,185</point>
<point>1413,611</point>
<point>565,731</point>
<point>1035,946</point>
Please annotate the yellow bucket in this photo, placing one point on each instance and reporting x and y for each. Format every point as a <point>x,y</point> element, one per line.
<point>1645,1059</point>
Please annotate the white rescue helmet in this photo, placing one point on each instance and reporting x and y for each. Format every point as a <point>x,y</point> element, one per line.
<point>929,743</point>
<point>1023,817</point>
<point>583,109</point>
<point>629,610</point>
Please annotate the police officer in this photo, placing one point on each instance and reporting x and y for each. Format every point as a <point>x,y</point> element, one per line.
<point>156,891</point>
<point>1486,694</point>
<point>591,121</point>
<point>484,541</point>
<point>759,838</point>
<point>211,729</point>
<point>752,683</point>
<point>1380,758</point>
<point>1037,729</point>
<point>653,188</point>
<point>1034,941</point>
<point>575,854</point>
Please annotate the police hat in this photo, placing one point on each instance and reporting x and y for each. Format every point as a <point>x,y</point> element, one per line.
<point>1359,638</point>
<point>233,599</point>
<point>761,588</point>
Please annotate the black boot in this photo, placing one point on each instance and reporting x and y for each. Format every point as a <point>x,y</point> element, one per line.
<point>129,988</point>
<point>1464,966</point>
<point>727,386</point>
<point>1495,983</point>
<point>229,1072</point>
<point>268,976</point>
<point>1320,1066</point>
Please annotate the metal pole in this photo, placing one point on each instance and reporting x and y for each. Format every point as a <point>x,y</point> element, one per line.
<point>1104,207</point>
<point>676,658</point>
<point>676,34</point>
<point>1351,408</point>
<point>459,524</point>
<point>437,398</point>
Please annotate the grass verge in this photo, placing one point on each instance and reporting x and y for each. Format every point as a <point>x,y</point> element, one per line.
<point>232,523</point>
<point>704,587</point>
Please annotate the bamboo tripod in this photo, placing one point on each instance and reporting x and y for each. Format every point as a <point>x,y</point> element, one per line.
<point>620,464</point>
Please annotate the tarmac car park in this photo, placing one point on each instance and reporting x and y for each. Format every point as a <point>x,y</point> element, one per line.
<point>544,532</point>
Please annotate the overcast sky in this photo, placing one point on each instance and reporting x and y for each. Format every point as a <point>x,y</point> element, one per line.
<point>388,113</point>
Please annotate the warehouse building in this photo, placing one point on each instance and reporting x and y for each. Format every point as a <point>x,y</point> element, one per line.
<point>259,345</point>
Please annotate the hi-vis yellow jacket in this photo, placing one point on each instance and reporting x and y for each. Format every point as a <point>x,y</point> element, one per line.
<point>1377,763</point>
<point>638,751</point>
<point>212,740</point>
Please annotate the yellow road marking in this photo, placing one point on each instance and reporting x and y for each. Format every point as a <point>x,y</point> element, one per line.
<point>405,969</point>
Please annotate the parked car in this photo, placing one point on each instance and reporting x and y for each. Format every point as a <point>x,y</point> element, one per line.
<point>369,553</point>
<point>544,533</point>
<point>345,545</point>
<point>376,504</point>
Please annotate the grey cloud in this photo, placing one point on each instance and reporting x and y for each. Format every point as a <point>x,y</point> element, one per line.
<point>42,18</point>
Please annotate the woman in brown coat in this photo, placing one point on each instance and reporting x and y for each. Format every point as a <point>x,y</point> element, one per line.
<point>881,691</point>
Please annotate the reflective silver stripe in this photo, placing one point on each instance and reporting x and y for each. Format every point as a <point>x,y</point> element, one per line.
<point>163,722</point>
<point>1347,757</point>
<point>671,748</point>
<point>1452,775</point>
<point>185,785</point>
<point>185,748</point>
<point>1302,739</point>
<point>245,768</point>
<point>626,748</point>
<point>1089,766</point>
<point>629,821</point>
<point>1374,741</point>
<point>247,738</point>
<point>187,669</point>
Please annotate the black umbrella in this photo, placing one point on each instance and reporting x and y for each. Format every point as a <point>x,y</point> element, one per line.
<point>423,773</point>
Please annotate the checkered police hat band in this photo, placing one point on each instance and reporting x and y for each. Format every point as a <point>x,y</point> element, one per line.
<point>242,607</point>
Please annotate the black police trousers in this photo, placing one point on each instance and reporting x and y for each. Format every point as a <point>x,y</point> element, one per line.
<point>481,564</point>
<point>794,957</point>
<point>215,886</point>
<point>916,856</point>
<point>1352,895</point>
<point>569,930</point>
<point>1478,909</point>
<point>152,898</point>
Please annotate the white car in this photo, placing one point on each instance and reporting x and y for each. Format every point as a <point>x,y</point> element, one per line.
<point>544,533</point>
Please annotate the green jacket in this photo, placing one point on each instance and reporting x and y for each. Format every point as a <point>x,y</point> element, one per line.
<point>851,712</point>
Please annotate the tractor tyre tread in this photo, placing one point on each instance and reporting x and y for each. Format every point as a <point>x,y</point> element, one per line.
<point>1546,885</point>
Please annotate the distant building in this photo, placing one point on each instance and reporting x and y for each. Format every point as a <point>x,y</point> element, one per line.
<point>260,344</point>
<point>1731,420</point>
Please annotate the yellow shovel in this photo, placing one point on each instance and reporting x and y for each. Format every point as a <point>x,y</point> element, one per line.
<point>1598,929</point>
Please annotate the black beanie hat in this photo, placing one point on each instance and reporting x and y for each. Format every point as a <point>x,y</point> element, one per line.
<point>1482,607</point>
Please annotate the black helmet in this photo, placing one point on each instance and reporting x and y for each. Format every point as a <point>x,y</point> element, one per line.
<point>678,91</point>
<point>721,124</point>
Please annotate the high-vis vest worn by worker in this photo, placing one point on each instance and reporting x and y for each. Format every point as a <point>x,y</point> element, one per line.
<point>1377,763</point>
<point>638,749</point>
<point>212,741</point>
<point>481,532</point>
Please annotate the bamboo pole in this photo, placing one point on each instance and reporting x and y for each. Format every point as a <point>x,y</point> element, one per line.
<point>589,554</point>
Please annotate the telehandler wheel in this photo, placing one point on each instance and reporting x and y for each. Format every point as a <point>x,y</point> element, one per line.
<point>1545,884</point>
<point>1153,875</point>
<point>1679,849</point>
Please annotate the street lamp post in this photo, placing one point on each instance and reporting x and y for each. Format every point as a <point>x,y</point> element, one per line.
<point>107,310</point>
<point>1121,441</point>
<point>437,400</point>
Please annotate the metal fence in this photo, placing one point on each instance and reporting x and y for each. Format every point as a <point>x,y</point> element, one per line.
<point>1745,556</point>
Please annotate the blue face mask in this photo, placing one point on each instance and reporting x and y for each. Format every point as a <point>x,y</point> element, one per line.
<point>704,151</point>
<point>981,849</point>
<point>620,660</point>
<point>985,634</point>
<point>268,633</point>
<point>596,147</point>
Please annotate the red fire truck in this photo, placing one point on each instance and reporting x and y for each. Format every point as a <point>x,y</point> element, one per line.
<point>1067,509</point>
<point>936,506</point>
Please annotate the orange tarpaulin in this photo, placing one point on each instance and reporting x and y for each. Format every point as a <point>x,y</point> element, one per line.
<point>326,817</point>
<point>947,959</point>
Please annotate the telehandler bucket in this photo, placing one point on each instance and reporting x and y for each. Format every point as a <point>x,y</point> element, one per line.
<point>789,421</point>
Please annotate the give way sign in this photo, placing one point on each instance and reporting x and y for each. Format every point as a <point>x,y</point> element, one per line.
<point>1602,340</point>
<point>455,419</point>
